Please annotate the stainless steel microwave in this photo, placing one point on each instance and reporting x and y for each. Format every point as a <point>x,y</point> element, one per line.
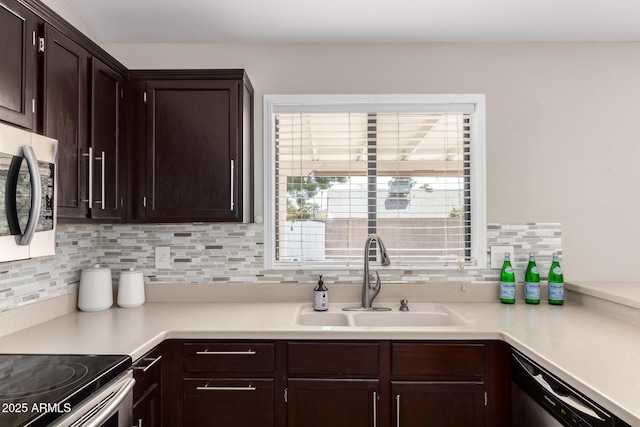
<point>27,194</point>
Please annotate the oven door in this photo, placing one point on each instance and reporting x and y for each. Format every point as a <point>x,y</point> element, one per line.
<point>111,406</point>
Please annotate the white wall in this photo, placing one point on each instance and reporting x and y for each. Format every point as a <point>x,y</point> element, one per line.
<point>67,11</point>
<point>561,138</point>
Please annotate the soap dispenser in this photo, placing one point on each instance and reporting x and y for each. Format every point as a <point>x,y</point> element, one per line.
<point>320,296</point>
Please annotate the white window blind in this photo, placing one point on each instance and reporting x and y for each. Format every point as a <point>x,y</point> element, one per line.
<point>344,171</point>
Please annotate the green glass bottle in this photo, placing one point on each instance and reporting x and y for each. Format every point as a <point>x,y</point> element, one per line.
<point>507,282</point>
<point>532,282</point>
<point>556,282</point>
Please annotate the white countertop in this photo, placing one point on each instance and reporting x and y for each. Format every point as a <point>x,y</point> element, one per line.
<point>625,293</point>
<point>597,354</point>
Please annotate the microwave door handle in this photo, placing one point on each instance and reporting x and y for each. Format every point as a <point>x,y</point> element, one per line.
<point>36,195</point>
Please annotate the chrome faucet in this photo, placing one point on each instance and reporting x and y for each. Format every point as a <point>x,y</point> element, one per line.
<point>369,291</point>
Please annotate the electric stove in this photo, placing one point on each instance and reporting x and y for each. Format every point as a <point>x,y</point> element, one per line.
<point>36,389</point>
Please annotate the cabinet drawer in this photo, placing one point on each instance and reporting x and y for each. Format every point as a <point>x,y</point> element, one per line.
<point>440,360</point>
<point>229,402</point>
<point>146,372</point>
<point>228,357</point>
<point>333,359</point>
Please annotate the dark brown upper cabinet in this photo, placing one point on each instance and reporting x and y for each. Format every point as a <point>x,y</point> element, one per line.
<point>83,110</point>
<point>108,156</point>
<point>193,154</point>
<point>65,119</point>
<point>189,133</point>
<point>18,64</point>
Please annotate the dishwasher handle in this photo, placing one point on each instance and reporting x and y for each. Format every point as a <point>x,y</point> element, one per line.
<point>567,399</point>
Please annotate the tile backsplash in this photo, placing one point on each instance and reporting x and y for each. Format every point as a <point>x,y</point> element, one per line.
<point>32,280</point>
<point>231,253</point>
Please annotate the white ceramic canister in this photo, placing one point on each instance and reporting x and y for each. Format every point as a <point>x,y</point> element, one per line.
<point>131,288</point>
<point>96,289</point>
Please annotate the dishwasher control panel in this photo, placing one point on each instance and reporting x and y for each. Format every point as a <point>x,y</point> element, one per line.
<point>553,397</point>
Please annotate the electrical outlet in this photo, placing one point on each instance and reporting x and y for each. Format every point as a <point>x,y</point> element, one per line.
<point>163,257</point>
<point>497,255</point>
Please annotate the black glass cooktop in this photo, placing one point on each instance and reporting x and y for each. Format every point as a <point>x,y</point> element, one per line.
<point>35,389</point>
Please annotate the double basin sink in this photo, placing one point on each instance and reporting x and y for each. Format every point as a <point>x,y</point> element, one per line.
<point>424,315</point>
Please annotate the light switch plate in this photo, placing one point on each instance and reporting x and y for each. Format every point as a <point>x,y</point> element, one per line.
<point>497,255</point>
<point>163,257</point>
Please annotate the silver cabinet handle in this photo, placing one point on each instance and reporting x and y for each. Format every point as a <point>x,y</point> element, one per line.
<point>146,368</point>
<point>102,159</point>
<point>397,410</point>
<point>207,387</point>
<point>232,175</point>
<point>244,353</point>
<point>36,195</point>
<point>90,156</point>
<point>375,409</point>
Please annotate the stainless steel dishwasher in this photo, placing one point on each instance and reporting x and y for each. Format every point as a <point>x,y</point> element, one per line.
<point>539,399</point>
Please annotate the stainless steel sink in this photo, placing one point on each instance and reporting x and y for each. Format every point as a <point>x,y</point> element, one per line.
<point>423,316</point>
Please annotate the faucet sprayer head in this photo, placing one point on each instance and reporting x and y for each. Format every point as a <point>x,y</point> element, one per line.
<point>384,258</point>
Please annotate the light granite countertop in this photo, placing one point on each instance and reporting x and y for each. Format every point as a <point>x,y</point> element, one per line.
<point>594,352</point>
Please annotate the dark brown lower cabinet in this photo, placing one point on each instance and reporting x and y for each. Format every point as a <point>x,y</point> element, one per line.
<point>146,409</point>
<point>331,402</point>
<point>322,383</point>
<point>219,383</point>
<point>146,392</point>
<point>228,402</point>
<point>451,404</point>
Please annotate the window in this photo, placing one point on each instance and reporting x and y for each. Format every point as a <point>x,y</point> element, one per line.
<point>410,168</point>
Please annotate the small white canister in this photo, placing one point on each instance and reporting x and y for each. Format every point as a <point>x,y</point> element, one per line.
<point>96,289</point>
<point>131,288</point>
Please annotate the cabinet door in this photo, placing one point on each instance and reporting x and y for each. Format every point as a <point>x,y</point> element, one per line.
<point>146,410</point>
<point>146,392</point>
<point>65,83</point>
<point>108,178</point>
<point>454,404</point>
<point>332,402</point>
<point>228,402</point>
<point>19,59</point>
<point>193,136</point>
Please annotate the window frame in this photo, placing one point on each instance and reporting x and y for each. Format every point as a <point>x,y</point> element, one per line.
<point>273,104</point>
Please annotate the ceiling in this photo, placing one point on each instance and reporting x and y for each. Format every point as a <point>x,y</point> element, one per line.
<point>359,21</point>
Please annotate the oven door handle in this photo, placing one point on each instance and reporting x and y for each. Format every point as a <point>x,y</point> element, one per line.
<point>109,409</point>
<point>36,195</point>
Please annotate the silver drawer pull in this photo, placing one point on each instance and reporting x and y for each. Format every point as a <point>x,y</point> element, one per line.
<point>146,368</point>
<point>230,388</point>
<point>248,352</point>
